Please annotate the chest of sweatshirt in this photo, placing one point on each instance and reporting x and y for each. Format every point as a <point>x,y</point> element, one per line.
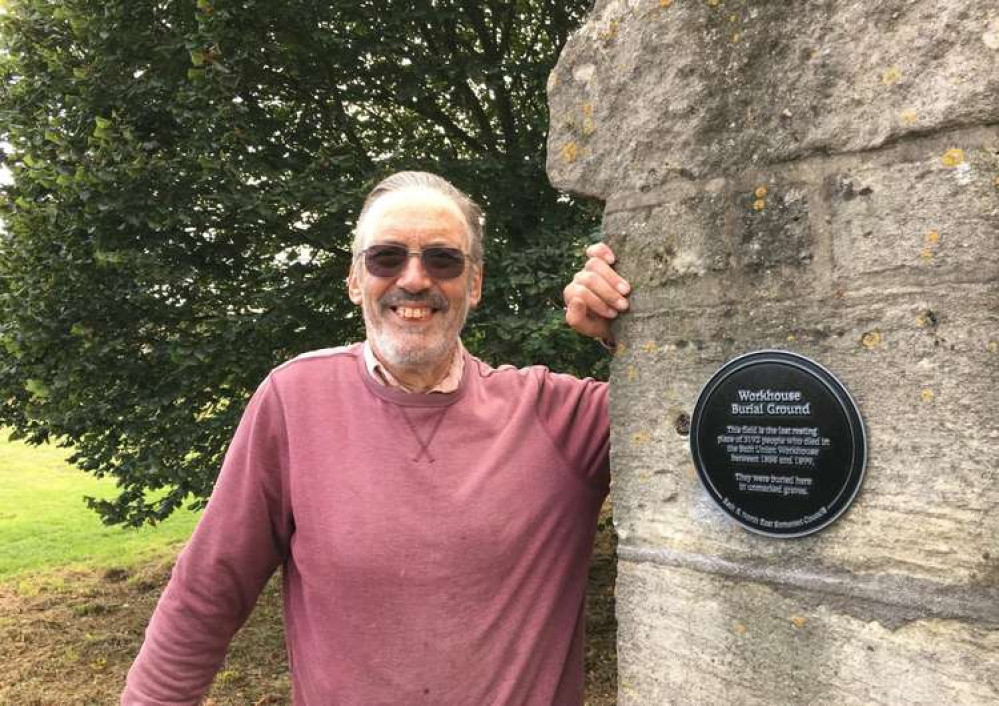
<point>383,481</point>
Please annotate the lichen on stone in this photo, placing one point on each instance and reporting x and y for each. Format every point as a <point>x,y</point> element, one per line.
<point>871,339</point>
<point>953,157</point>
<point>891,75</point>
<point>570,152</point>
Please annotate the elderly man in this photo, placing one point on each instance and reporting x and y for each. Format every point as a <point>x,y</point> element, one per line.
<point>433,516</point>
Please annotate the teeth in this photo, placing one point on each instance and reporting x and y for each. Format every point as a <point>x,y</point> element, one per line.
<point>408,313</point>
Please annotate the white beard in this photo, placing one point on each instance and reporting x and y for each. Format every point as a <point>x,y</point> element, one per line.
<point>424,348</point>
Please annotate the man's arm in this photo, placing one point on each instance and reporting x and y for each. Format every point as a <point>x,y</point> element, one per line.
<point>242,537</point>
<point>596,295</point>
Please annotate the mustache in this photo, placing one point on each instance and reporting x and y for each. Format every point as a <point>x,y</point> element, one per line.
<point>397,297</point>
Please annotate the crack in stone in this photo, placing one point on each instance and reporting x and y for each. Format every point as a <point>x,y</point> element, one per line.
<point>891,600</point>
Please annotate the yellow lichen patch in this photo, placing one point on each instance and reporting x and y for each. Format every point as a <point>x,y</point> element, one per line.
<point>791,338</point>
<point>933,237</point>
<point>650,347</point>
<point>927,395</point>
<point>588,125</point>
<point>891,76</point>
<point>924,319</point>
<point>665,3</point>
<point>736,37</point>
<point>733,18</point>
<point>759,204</point>
<point>798,621</point>
<point>953,157</point>
<point>871,339</point>
<point>570,152</point>
<point>632,373</point>
<point>641,437</point>
<point>620,349</point>
<point>993,346</point>
<point>739,628</point>
<point>926,255</point>
<point>909,117</point>
<point>760,192</point>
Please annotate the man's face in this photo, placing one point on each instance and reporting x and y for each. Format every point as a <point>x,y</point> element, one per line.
<point>413,320</point>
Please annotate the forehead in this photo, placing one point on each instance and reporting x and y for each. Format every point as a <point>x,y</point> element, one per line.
<point>416,216</point>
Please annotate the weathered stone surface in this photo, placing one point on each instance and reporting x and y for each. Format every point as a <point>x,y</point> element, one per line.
<point>927,506</point>
<point>823,180</point>
<point>915,338</point>
<point>944,216</point>
<point>803,648</point>
<point>650,90</point>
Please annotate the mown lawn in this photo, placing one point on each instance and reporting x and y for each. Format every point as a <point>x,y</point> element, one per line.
<point>75,595</point>
<point>44,522</point>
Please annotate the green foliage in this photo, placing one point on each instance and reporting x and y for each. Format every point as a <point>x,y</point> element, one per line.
<point>186,178</point>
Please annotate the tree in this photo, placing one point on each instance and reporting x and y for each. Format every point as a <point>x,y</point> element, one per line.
<point>186,179</point>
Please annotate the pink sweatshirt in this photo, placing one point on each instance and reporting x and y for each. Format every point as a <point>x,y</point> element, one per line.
<point>434,547</point>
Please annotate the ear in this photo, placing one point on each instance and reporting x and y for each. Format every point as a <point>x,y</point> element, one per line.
<point>354,285</point>
<point>475,287</point>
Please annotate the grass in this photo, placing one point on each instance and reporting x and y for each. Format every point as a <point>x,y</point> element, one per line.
<point>76,596</point>
<point>72,641</point>
<point>45,524</point>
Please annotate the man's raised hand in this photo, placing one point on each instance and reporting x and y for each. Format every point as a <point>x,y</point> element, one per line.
<point>596,295</point>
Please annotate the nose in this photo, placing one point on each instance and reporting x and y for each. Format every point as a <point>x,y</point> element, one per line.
<point>413,277</point>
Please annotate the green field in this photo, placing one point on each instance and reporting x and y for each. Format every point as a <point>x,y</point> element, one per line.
<point>45,524</point>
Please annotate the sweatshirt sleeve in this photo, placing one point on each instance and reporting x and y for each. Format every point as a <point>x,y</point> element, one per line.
<point>574,412</point>
<point>242,537</point>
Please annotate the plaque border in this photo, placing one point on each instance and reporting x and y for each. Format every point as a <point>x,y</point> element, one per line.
<point>855,422</point>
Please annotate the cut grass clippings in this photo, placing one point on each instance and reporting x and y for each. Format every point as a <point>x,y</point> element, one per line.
<point>73,640</point>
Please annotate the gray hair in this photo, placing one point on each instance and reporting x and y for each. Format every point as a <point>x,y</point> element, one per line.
<point>402,181</point>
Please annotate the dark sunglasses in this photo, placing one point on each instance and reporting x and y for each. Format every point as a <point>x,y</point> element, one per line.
<point>438,262</point>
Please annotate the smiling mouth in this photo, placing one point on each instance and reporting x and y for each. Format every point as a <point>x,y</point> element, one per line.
<point>413,313</point>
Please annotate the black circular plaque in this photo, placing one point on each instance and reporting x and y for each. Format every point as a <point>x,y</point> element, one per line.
<point>778,443</point>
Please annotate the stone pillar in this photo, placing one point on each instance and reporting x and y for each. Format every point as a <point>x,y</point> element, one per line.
<point>820,177</point>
